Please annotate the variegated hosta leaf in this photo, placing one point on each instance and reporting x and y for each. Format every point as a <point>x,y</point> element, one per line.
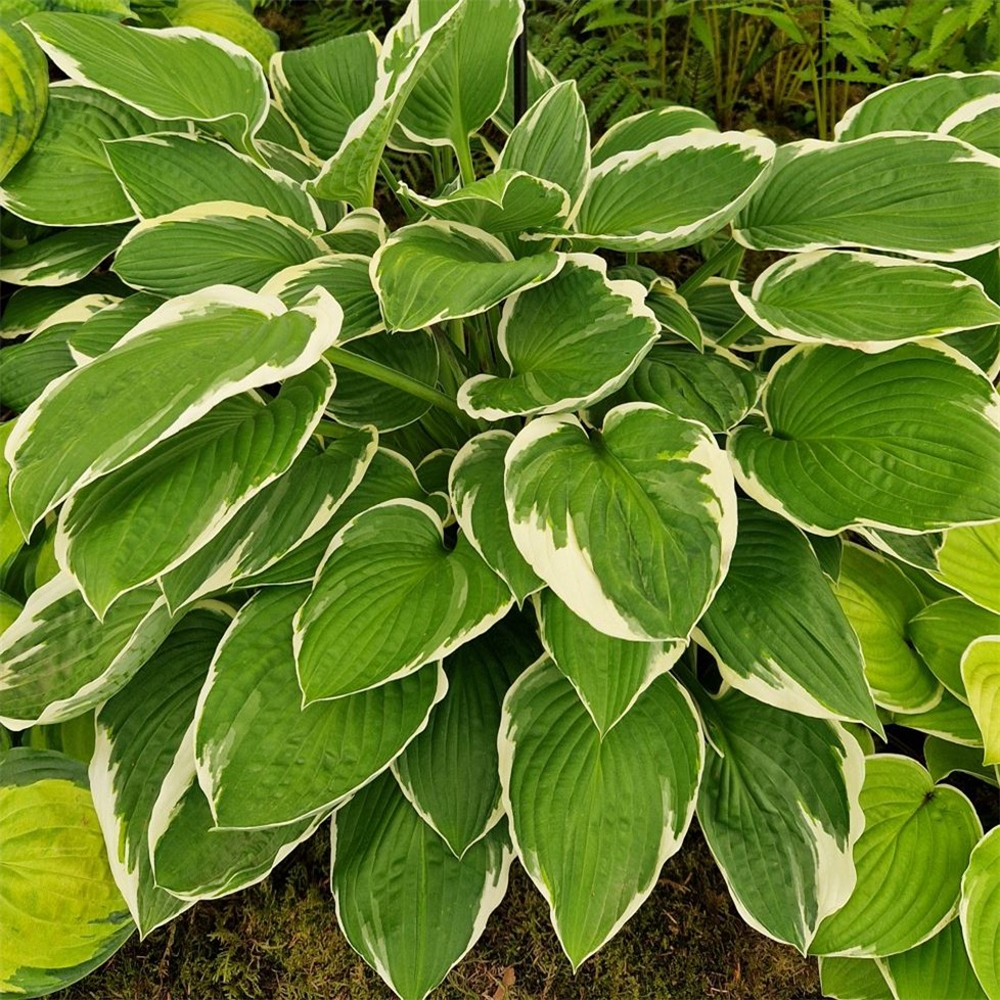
<point>939,967</point>
<point>919,551</point>
<point>449,771</point>
<point>139,731</point>
<point>632,526</point>
<point>323,88</point>
<point>928,196</point>
<point>63,257</point>
<point>345,276</point>
<point>865,301</point>
<point>145,518</point>
<point>568,343</point>
<point>701,179</point>
<point>218,242</point>
<point>11,539</point>
<point>942,631</point>
<point>943,758</point>
<point>950,719</point>
<point>911,825</point>
<point>263,759</point>
<point>853,979</point>
<point>388,598</point>
<point>410,48</point>
<point>100,332</point>
<point>552,140</point>
<point>981,676</point>
<point>904,440</point>
<point>163,173</point>
<point>921,105</point>
<point>406,904</point>
<point>62,913</point>
<point>969,562</point>
<point>789,865</point>
<point>777,631</point>
<point>976,123</point>
<point>609,674</point>
<point>431,271</point>
<point>275,521</point>
<point>979,912</point>
<point>879,603</point>
<point>593,820</point>
<point>58,660</point>
<point>475,483</point>
<point>24,89</point>
<point>175,365</point>
<point>168,73</point>
<point>674,314</point>
<point>362,231</point>
<point>638,131</point>
<point>29,307</point>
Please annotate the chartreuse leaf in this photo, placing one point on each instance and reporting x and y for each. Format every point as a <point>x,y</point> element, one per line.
<point>701,178</point>
<point>170,369</point>
<point>904,440</point>
<point>168,73</point>
<point>217,242</point>
<point>568,343</point>
<point>638,131</point>
<point>969,562</point>
<point>979,912</point>
<point>911,825</point>
<point>632,526</point>
<point>411,47</point>
<point>921,105</point>
<point>58,660</point>
<point>593,820</point>
<point>552,140</point>
<point>937,968</point>
<point>163,173</point>
<point>388,598</point>
<point>976,123</point>
<point>787,866</point>
<point>608,674</point>
<point>981,675</point>
<point>323,88</point>
<point>942,631</point>
<point>475,483</point>
<point>865,301</point>
<point>853,979</point>
<point>63,257</point>
<point>924,195</point>
<point>437,270</point>
<point>943,758</point>
<point>777,631</point>
<point>449,771</point>
<point>139,731</point>
<point>231,20</point>
<point>950,719</point>
<point>879,602</point>
<point>61,912</point>
<point>262,758</point>
<point>24,89</point>
<point>145,518</point>
<point>275,521</point>
<point>405,903</point>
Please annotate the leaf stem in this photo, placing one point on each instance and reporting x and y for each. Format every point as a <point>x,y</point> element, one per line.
<point>722,258</point>
<point>390,179</point>
<point>463,151</point>
<point>743,325</point>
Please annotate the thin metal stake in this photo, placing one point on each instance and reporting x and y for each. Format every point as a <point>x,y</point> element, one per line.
<point>521,72</point>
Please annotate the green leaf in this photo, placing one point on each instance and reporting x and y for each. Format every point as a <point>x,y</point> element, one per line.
<point>776,630</point>
<point>431,271</point>
<point>171,73</point>
<point>853,979</point>
<point>632,526</point>
<point>943,758</point>
<point>449,771</point>
<point>63,257</point>
<point>911,825</point>
<point>175,365</point>
<point>24,94</point>
<point>928,196</point>
<point>978,912</point>
<point>865,301</point>
<point>566,790</point>
<point>62,913</point>
<point>982,685</point>
<point>904,440</point>
<point>145,518</point>
<point>969,562</point>
<point>59,661</point>
<point>701,179</point>
<point>568,343</point>
<point>217,242</point>
<point>390,564</point>
<point>937,968</point>
<point>789,865</point>
<point>228,19</point>
<point>405,903</point>
<point>263,759</point>
<point>950,719</point>
<point>638,131</point>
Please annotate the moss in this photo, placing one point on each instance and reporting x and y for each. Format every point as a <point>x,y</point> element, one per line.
<point>280,940</point>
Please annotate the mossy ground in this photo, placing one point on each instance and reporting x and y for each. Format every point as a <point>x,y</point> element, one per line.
<point>280,941</point>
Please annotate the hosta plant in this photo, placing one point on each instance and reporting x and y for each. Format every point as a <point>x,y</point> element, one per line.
<point>445,520</point>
